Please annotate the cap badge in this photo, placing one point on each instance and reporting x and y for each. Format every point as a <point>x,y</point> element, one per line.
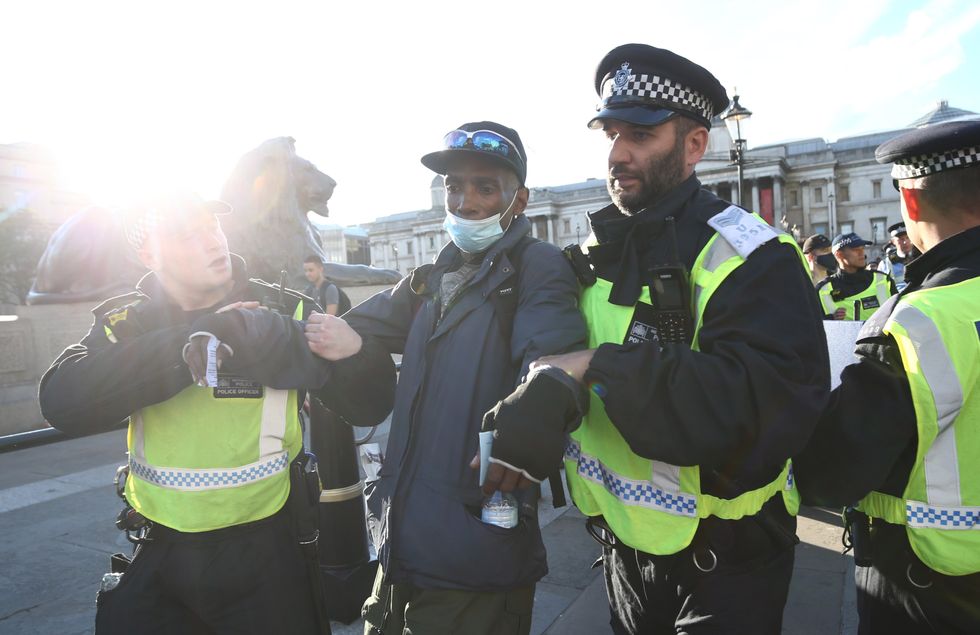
<point>622,76</point>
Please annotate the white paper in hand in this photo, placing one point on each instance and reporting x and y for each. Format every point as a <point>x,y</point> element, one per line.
<point>211,374</point>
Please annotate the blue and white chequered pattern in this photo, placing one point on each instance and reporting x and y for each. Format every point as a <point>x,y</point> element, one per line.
<point>188,479</point>
<point>925,515</point>
<point>662,90</point>
<point>789,477</point>
<point>630,492</point>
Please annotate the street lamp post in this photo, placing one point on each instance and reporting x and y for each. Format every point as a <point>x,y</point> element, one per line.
<point>735,117</point>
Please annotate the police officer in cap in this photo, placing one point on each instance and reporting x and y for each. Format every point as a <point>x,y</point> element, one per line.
<point>902,432</point>
<point>853,292</point>
<point>209,367</point>
<point>706,371</point>
<point>900,252</point>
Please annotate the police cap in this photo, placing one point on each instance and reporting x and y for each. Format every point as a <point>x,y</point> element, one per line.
<point>166,212</point>
<point>848,240</point>
<point>932,149</point>
<point>645,85</point>
<point>485,138</point>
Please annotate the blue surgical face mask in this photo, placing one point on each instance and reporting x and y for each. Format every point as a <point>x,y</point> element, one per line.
<point>474,236</point>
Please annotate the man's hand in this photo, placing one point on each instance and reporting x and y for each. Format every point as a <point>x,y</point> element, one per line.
<point>501,477</point>
<point>196,356</point>
<point>331,337</point>
<point>575,364</point>
<point>840,314</point>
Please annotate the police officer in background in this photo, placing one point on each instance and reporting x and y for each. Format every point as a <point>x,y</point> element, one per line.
<point>853,292</point>
<point>822,263</point>
<point>900,253</point>
<point>902,431</point>
<point>707,369</point>
<point>210,381</point>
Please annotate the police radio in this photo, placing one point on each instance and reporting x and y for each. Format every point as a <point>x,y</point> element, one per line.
<point>670,296</point>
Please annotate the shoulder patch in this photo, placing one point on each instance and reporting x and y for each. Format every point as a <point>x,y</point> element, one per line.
<point>745,232</point>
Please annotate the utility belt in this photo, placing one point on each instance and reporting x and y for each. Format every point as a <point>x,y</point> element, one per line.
<point>885,546</point>
<point>719,542</point>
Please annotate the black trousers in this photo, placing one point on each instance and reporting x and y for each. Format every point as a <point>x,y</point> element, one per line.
<point>745,592</point>
<point>888,601</point>
<point>245,579</point>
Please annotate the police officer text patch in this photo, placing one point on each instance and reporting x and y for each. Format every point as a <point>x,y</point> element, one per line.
<point>870,303</point>
<point>642,327</point>
<point>231,387</point>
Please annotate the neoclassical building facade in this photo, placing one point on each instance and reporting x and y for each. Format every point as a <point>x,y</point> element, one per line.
<point>805,187</point>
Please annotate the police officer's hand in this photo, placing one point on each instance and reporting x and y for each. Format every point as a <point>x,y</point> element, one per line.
<point>196,350</point>
<point>840,314</point>
<point>575,364</point>
<point>196,356</point>
<point>331,337</point>
<point>530,428</point>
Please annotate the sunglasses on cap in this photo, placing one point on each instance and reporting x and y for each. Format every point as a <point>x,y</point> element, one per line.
<point>484,140</point>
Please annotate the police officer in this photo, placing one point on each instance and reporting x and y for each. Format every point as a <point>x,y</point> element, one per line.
<point>902,432</point>
<point>822,263</point>
<point>707,369</point>
<point>853,292</point>
<point>900,252</point>
<point>210,381</point>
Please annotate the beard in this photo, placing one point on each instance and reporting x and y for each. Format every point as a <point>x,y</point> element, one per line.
<point>660,175</point>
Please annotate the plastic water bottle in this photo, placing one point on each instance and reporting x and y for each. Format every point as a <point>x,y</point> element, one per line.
<point>501,510</point>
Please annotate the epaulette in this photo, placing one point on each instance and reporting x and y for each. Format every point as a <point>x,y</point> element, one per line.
<point>118,303</point>
<point>744,231</point>
<point>822,283</point>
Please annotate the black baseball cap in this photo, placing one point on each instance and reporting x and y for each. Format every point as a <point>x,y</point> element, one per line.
<point>646,85</point>
<point>817,241</point>
<point>849,240</point>
<point>502,145</point>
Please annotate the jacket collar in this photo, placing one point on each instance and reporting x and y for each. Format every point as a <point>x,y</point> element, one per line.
<point>942,256</point>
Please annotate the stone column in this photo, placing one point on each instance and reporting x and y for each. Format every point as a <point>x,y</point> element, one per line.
<point>548,221</point>
<point>755,196</point>
<point>778,211</point>
<point>418,250</point>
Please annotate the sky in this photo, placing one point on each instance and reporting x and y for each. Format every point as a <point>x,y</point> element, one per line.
<point>138,94</point>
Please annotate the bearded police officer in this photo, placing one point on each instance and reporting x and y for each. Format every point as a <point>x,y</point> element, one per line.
<point>902,432</point>
<point>210,381</point>
<point>853,292</point>
<point>707,368</point>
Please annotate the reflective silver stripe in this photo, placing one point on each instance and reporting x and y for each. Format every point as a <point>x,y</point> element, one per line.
<point>629,491</point>
<point>828,302</point>
<point>273,422</point>
<point>919,514</point>
<point>719,253</point>
<point>881,289</point>
<point>940,463</point>
<point>187,479</point>
<point>139,446</point>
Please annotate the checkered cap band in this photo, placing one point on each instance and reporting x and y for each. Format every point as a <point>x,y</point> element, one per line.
<point>629,491</point>
<point>140,227</point>
<point>926,164</point>
<point>661,91</point>
<point>197,480</point>
<point>924,515</point>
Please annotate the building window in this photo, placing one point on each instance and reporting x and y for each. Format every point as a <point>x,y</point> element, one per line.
<point>409,247</point>
<point>818,195</point>
<point>794,198</point>
<point>432,241</point>
<point>878,230</point>
<point>819,228</point>
<point>847,228</point>
<point>876,188</point>
<point>845,193</point>
<point>566,226</point>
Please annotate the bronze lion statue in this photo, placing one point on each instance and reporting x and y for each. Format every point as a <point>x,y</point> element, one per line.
<point>271,189</point>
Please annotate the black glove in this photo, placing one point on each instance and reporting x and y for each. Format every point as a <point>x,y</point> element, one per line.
<point>531,423</point>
